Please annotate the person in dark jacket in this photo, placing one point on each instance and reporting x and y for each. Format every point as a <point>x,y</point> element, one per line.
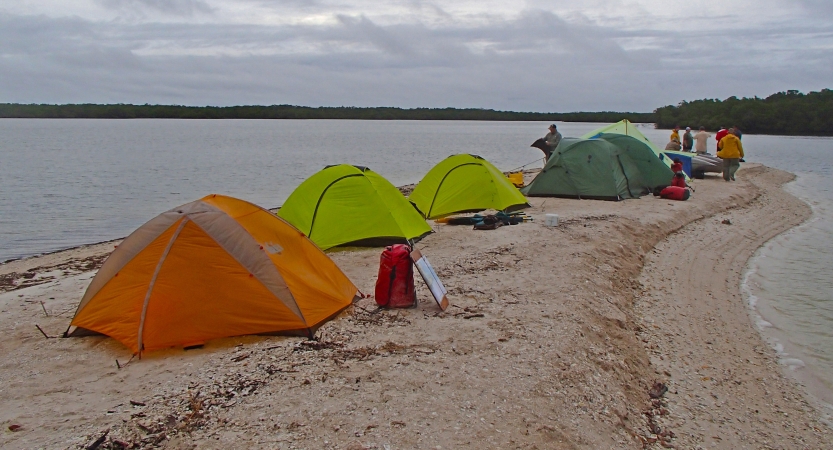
<point>688,140</point>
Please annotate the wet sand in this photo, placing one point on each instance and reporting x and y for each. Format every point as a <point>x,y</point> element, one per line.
<point>554,339</point>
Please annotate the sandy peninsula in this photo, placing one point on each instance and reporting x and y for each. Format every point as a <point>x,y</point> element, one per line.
<point>557,338</point>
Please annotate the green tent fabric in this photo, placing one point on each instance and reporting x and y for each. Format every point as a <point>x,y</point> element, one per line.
<point>627,128</point>
<point>353,205</point>
<point>465,183</point>
<point>653,172</point>
<point>600,169</point>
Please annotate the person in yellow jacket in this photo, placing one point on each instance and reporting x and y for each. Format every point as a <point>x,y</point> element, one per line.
<point>731,151</point>
<point>675,134</point>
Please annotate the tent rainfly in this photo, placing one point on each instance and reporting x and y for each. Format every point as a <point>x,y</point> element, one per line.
<point>211,268</point>
<point>653,173</point>
<point>352,205</point>
<point>465,183</point>
<point>600,169</point>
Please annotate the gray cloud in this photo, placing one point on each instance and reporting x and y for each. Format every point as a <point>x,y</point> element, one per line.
<point>361,28</point>
<point>817,7</point>
<point>186,8</point>
<point>536,61</point>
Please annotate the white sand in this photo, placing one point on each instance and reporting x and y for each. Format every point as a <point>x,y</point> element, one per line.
<point>554,338</point>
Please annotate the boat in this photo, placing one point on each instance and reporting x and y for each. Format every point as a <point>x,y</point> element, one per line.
<point>699,164</point>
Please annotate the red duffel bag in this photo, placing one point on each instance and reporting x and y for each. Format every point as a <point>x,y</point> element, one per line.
<point>675,193</point>
<point>395,285</point>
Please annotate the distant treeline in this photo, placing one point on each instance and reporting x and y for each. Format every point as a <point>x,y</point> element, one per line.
<point>789,112</point>
<point>122,111</point>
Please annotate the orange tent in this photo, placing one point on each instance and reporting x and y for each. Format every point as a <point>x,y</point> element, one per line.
<point>212,268</point>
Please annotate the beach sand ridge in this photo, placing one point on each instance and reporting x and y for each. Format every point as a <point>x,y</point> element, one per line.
<point>554,339</point>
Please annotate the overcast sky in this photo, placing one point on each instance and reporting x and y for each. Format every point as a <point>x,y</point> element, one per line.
<point>517,55</point>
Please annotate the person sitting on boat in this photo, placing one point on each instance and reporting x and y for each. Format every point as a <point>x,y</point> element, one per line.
<point>675,134</point>
<point>672,145</point>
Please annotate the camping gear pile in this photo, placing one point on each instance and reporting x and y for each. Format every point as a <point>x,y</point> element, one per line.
<point>489,221</point>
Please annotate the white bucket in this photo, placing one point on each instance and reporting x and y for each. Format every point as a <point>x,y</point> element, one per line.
<point>551,220</point>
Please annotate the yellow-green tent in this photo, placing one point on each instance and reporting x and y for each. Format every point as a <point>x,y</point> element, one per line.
<point>212,268</point>
<point>352,205</point>
<point>465,183</point>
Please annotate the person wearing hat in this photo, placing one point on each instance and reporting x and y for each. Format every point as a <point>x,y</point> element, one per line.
<point>552,138</point>
<point>688,140</point>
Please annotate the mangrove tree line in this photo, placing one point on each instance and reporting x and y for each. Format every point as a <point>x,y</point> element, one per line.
<point>125,111</point>
<point>789,112</point>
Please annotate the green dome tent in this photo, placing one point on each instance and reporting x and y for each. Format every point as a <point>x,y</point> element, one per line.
<point>464,183</point>
<point>608,168</point>
<point>347,204</point>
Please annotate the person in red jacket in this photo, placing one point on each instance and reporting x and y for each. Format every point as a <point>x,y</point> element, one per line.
<point>676,165</point>
<point>720,135</point>
<point>679,176</point>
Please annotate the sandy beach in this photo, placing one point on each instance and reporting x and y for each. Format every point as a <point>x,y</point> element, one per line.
<point>556,339</point>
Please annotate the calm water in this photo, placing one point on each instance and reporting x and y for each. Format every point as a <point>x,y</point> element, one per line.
<point>789,282</point>
<point>70,182</point>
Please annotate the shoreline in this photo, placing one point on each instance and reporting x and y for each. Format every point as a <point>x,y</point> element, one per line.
<point>796,363</point>
<point>546,345</point>
<point>52,252</point>
<point>690,332</point>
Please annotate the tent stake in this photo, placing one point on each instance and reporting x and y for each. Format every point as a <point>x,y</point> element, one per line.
<point>43,332</point>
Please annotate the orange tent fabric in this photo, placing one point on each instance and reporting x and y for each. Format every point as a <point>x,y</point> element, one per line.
<point>212,268</point>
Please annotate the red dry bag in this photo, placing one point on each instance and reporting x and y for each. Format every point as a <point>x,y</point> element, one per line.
<point>395,285</point>
<point>675,193</point>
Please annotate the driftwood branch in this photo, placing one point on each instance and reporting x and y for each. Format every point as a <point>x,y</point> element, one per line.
<point>98,441</point>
